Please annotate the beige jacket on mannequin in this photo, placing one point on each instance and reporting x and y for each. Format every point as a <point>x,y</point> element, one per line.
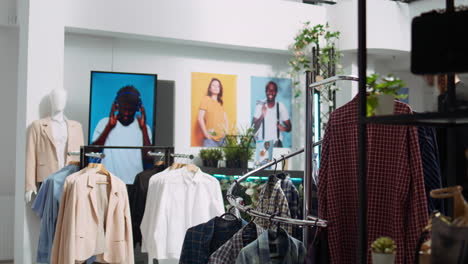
<point>41,156</point>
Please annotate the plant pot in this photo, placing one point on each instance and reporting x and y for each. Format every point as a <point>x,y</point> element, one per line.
<point>236,164</point>
<point>424,258</point>
<point>385,104</point>
<point>210,163</point>
<point>380,258</point>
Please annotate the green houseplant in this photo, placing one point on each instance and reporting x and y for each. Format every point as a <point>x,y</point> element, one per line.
<point>238,148</point>
<point>310,36</point>
<point>383,251</point>
<point>381,93</point>
<point>211,156</point>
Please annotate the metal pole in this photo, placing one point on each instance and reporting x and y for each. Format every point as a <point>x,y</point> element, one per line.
<point>309,152</point>
<point>451,161</point>
<point>362,148</point>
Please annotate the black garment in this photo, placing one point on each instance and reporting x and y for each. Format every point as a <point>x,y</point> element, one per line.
<point>431,166</point>
<point>202,240</point>
<point>318,251</point>
<point>137,199</point>
<point>461,139</point>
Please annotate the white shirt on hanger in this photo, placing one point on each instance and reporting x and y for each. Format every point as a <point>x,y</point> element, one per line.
<point>60,134</point>
<point>177,200</point>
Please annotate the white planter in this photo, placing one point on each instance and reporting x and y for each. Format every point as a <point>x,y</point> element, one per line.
<point>385,104</point>
<point>379,258</point>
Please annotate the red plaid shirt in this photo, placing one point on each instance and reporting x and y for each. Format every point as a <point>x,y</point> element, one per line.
<point>395,185</point>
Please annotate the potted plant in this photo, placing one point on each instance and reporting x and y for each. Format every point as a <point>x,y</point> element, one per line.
<point>381,93</point>
<point>238,148</point>
<point>211,157</point>
<point>383,251</point>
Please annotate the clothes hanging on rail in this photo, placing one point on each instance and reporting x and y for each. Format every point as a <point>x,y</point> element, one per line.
<point>272,200</point>
<point>284,249</point>
<point>204,239</point>
<point>46,206</point>
<point>431,167</point>
<point>94,220</point>
<point>179,199</point>
<point>459,135</point>
<point>294,202</point>
<point>396,204</point>
<point>227,253</point>
<point>138,199</point>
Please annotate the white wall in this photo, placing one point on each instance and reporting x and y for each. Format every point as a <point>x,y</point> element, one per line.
<point>8,84</point>
<point>260,24</point>
<point>388,24</point>
<point>84,53</point>
<point>40,70</point>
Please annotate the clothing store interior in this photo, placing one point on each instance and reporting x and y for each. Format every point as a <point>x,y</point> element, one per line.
<point>216,131</point>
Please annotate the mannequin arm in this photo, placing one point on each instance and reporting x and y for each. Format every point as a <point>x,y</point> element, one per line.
<point>28,195</point>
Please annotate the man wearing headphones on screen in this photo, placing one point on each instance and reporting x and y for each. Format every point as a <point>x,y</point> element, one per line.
<point>124,127</point>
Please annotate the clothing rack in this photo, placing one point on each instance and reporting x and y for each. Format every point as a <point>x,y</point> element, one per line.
<point>310,137</point>
<point>309,221</point>
<point>98,155</point>
<point>87,149</point>
<point>174,155</point>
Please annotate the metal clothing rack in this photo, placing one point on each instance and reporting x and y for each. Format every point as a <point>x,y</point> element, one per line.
<point>310,138</point>
<point>85,150</point>
<point>307,221</point>
<point>448,119</point>
<point>174,155</point>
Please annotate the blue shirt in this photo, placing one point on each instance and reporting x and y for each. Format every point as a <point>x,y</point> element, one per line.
<point>46,206</point>
<point>289,250</point>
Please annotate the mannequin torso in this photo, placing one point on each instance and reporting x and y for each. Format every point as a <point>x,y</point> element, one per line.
<point>58,100</point>
<point>60,134</point>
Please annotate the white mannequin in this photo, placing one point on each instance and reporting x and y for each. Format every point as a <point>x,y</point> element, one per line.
<point>58,101</point>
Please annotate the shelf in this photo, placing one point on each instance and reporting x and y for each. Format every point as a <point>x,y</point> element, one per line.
<point>239,172</point>
<point>449,119</point>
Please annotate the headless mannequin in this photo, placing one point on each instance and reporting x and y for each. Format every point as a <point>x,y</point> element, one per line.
<point>58,100</point>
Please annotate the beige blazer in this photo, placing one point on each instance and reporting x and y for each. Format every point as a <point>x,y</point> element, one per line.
<point>41,156</point>
<point>79,225</point>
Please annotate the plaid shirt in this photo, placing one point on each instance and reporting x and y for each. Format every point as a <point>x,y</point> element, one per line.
<point>396,200</point>
<point>291,250</point>
<point>294,203</point>
<point>273,201</point>
<point>227,253</point>
<point>200,240</point>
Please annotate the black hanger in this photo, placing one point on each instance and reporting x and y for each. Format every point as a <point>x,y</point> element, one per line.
<point>276,166</point>
<point>282,174</point>
<point>228,213</point>
<point>253,217</point>
<point>284,164</point>
<point>270,220</point>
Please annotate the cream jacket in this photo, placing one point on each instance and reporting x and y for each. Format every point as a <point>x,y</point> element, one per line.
<point>41,156</point>
<point>94,219</point>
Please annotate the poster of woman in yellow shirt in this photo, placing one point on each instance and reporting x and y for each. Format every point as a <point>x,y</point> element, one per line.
<point>213,108</point>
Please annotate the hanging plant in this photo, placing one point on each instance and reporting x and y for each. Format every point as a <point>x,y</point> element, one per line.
<point>308,37</point>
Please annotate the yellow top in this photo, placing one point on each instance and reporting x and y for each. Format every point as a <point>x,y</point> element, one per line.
<point>214,117</point>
